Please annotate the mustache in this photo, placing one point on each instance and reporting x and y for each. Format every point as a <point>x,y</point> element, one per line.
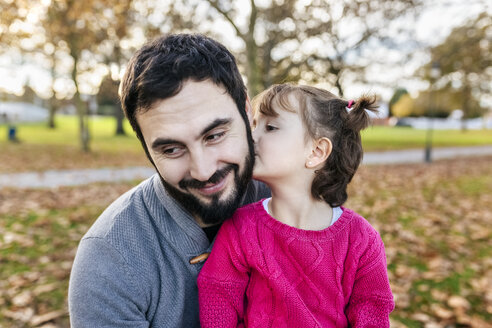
<point>216,177</point>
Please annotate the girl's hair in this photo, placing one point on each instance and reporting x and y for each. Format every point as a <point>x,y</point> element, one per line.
<point>324,115</point>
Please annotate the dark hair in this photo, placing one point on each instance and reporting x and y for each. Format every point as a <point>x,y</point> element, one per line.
<point>157,71</point>
<point>324,115</point>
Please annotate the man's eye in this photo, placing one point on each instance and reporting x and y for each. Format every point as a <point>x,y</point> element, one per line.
<point>215,136</point>
<point>270,127</point>
<point>172,151</point>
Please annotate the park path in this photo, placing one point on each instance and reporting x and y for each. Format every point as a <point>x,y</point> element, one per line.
<point>53,179</point>
<point>417,155</point>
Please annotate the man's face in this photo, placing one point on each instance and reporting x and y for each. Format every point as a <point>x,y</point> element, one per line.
<point>198,142</point>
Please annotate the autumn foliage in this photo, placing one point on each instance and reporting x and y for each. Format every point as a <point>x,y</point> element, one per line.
<point>434,220</point>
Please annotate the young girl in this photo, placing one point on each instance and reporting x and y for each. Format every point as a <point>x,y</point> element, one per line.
<point>299,259</point>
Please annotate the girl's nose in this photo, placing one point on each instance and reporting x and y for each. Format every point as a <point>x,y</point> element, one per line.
<point>255,135</point>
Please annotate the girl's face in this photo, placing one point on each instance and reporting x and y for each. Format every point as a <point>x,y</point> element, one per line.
<point>280,146</point>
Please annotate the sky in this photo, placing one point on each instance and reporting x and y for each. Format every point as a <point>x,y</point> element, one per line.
<point>431,28</point>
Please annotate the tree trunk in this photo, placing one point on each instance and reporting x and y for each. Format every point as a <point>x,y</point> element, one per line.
<point>82,111</point>
<point>254,81</point>
<point>336,71</point>
<point>339,86</point>
<point>52,106</point>
<point>51,118</point>
<point>465,104</point>
<point>255,84</point>
<point>118,114</point>
<point>83,122</point>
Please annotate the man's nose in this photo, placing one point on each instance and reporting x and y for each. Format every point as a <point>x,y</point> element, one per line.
<point>203,165</point>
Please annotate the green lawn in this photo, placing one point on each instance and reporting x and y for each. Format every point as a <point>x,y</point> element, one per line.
<point>390,138</point>
<point>66,133</point>
<point>103,138</point>
<point>41,148</point>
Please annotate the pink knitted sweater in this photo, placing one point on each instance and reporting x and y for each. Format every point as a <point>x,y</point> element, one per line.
<point>263,273</point>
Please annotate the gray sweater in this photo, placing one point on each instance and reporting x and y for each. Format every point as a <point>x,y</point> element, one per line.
<point>132,267</point>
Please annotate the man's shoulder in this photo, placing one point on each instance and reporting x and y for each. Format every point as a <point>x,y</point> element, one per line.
<point>126,210</point>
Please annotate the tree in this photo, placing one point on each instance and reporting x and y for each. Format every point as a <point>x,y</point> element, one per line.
<point>29,95</point>
<point>429,103</point>
<point>465,58</point>
<point>394,100</point>
<point>107,96</point>
<point>404,107</point>
<point>122,17</point>
<point>13,15</point>
<point>89,32</point>
<point>23,31</point>
<point>72,27</point>
<point>19,41</point>
<point>312,41</point>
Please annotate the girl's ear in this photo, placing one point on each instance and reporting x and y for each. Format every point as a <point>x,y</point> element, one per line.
<point>321,151</point>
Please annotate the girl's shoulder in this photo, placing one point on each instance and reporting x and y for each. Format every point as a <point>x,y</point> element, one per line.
<point>359,228</point>
<point>357,220</point>
<point>244,218</point>
<point>248,212</point>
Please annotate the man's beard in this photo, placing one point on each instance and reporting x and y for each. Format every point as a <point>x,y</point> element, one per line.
<point>216,210</point>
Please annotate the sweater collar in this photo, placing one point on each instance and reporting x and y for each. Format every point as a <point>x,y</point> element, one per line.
<point>180,215</point>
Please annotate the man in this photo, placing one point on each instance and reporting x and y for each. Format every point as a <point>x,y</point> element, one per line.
<point>137,265</point>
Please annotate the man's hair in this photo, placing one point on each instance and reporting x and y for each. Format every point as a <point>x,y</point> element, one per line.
<point>324,115</point>
<point>157,71</point>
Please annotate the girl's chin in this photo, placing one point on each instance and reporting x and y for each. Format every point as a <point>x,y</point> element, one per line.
<point>258,173</point>
<point>259,177</point>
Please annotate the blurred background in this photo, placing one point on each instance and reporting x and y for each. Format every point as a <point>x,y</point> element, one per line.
<point>66,150</point>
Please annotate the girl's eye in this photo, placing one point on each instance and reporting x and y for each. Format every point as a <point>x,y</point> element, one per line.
<point>270,127</point>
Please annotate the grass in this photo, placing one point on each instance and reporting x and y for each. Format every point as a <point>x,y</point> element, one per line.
<point>40,232</point>
<point>103,138</point>
<point>434,220</point>
<point>101,129</point>
<point>392,138</point>
<point>41,148</point>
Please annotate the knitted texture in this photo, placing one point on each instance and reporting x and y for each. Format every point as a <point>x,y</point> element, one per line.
<point>132,268</point>
<point>263,273</point>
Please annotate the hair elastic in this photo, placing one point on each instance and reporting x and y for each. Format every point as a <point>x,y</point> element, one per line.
<point>350,103</point>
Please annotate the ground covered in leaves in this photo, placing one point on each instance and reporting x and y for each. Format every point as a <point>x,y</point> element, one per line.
<point>434,219</point>
<point>24,157</point>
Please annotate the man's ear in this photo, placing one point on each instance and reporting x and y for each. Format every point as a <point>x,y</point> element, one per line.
<point>320,152</point>
<point>249,110</point>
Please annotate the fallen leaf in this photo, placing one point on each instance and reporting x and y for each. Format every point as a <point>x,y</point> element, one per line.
<point>45,288</point>
<point>458,302</point>
<point>23,314</point>
<point>40,319</point>
<point>441,312</point>
<point>23,299</point>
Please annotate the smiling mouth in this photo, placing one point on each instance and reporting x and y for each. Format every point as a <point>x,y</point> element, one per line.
<point>213,188</point>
